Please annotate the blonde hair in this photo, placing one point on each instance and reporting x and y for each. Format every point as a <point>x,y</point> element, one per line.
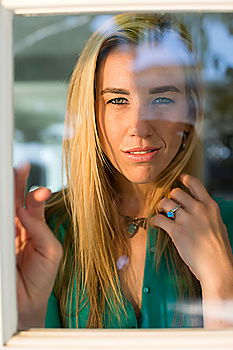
<point>95,238</point>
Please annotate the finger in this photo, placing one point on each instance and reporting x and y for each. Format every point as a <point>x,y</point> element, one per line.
<point>196,187</point>
<point>35,202</point>
<point>43,239</point>
<point>183,198</point>
<point>167,204</point>
<point>164,223</point>
<point>21,176</point>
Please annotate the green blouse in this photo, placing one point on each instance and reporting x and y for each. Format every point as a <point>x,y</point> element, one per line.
<point>160,305</point>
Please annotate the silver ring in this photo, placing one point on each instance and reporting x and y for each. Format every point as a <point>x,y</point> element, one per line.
<point>171,213</point>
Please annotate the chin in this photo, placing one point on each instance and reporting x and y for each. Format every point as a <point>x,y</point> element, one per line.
<point>140,175</point>
<point>146,179</point>
<point>141,181</point>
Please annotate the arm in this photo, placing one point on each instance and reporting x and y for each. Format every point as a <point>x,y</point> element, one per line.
<point>223,305</point>
<point>202,241</point>
<point>38,253</point>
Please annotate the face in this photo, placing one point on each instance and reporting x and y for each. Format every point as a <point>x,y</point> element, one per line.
<point>141,114</point>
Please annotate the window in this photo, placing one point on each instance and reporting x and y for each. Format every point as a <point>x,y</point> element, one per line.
<point>146,339</point>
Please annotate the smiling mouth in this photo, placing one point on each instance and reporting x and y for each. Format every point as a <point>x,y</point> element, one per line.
<point>142,152</point>
<point>142,155</point>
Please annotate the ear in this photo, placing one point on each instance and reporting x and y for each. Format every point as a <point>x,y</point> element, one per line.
<point>187,128</point>
<point>184,138</point>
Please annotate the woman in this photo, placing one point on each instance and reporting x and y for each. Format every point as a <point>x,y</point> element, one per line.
<point>142,239</point>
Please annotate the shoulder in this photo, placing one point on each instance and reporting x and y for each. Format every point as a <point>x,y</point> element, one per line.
<point>57,216</point>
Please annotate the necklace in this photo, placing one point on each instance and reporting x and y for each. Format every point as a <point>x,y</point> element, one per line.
<point>134,224</point>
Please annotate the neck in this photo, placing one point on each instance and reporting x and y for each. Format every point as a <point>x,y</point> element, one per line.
<point>132,197</point>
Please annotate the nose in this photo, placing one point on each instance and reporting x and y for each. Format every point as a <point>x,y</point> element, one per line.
<point>139,124</point>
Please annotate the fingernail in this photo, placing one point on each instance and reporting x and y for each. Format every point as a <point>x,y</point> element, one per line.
<point>33,188</point>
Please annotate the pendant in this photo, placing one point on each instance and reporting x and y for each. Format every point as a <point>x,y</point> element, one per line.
<point>132,229</point>
<point>134,224</point>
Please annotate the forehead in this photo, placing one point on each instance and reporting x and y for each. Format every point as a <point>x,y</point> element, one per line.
<point>128,67</point>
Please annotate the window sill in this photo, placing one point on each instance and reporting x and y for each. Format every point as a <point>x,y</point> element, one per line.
<point>195,339</point>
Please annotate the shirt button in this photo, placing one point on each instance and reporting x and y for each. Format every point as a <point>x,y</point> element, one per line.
<point>146,290</point>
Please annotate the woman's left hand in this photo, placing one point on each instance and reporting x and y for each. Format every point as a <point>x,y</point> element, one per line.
<point>198,233</point>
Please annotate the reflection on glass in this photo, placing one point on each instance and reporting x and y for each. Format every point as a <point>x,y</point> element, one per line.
<point>143,245</point>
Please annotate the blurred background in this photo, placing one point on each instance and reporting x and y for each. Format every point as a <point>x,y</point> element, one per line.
<point>45,51</point>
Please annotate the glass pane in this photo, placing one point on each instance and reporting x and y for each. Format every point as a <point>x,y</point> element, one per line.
<point>130,131</point>
<point>45,49</point>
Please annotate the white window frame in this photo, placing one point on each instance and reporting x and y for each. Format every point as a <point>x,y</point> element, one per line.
<point>197,339</point>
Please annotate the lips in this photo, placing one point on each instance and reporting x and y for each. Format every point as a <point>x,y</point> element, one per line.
<point>141,154</point>
<point>135,149</point>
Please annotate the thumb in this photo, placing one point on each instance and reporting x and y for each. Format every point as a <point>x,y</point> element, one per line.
<point>35,202</point>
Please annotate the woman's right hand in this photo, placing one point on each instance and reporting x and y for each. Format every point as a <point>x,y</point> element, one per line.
<point>38,252</point>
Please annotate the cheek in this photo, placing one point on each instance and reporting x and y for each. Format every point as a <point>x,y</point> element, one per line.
<point>177,114</point>
<point>175,130</point>
<point>172,134</point>
<point>109,132</point>
<point>111,137</point>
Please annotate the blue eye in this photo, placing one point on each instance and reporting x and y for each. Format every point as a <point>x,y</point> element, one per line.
<point>118,101</point>
<point>162,101</point>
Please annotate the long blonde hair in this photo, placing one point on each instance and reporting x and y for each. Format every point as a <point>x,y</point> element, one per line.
<point>95,238</point>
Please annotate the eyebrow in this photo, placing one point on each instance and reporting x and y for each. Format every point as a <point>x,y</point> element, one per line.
<point>115,91</point>
<point>155,90</point>
<point>159,89</point>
